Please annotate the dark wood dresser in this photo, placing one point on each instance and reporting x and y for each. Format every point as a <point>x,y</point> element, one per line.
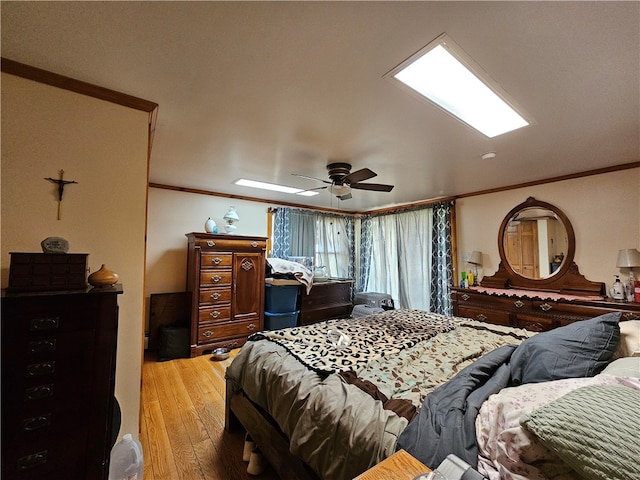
<point>536,311</point>
<point>58,379</point>
<point>326,300</point>
<point>225,285</point>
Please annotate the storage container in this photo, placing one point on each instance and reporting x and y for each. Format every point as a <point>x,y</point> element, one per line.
<point>276,321</point>
<point>126,459</point>
<point>280,298</point>
<point>363,310</point>
<point>374,299</point>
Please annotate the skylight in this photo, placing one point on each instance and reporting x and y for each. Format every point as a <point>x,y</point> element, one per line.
<point>442,73</point>
<point>274,187</point>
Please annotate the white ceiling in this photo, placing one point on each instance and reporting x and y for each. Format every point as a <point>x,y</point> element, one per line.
<point>262,90</point>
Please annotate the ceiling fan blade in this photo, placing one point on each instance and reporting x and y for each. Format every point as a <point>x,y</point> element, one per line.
<point>311,178</point>
<point>358,176</point>
<point>312,189</point>
<point>345,197</point>
<point>376,187</point>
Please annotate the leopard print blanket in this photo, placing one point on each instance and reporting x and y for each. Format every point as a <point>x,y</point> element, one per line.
<point>370,338</point>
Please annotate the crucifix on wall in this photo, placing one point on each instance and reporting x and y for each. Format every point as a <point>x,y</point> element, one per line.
<point>61,184</point>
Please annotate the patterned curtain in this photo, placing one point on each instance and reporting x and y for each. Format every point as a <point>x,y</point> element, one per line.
<point>280,241</point>
<point>442,265</point>
<point>365,252</point>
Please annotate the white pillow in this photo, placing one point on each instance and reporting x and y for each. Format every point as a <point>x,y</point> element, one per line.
<point>624,367</point>
<point>629,339</point>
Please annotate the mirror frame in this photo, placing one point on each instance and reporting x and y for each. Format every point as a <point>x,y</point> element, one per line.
<point>567,279</point>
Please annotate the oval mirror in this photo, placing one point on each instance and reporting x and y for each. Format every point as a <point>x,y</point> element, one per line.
<point>537,245</point>
<point>535,242</point>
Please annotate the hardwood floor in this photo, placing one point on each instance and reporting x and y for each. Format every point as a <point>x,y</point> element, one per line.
<point>182,422</point>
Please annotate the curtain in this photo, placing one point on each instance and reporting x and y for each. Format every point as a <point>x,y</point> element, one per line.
<point>328,238</point>
<point>281,237</point>
<point>335,245</point>
<point>442,265</point>
<point>408,255</point>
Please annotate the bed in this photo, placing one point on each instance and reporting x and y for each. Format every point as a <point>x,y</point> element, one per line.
<point>333,399</point>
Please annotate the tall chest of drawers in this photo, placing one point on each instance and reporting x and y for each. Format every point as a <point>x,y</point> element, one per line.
<point>58,379</point>
<point>225,279</point>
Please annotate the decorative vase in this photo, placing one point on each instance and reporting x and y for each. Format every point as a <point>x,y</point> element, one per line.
<point>210,226</point>
<point>103,277</point>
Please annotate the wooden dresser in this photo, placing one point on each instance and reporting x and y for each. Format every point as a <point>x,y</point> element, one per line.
<point>535,311</point>
<point>326,300</point>
<point>225,281</point>
<point>58,378</point>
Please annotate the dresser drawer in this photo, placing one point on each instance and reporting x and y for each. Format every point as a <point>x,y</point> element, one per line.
<point>214,332</point>
<point>211,278</point>
<point>231,244</point>
<point>46,456</point>
<point>216,260</point>
<point>215,296</point>
<point>496,302</point>
<point>534,323</point>
<point>485,315</point>
<point>217,313</point>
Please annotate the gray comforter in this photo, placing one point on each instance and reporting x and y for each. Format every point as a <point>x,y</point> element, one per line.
<point>336,427</point>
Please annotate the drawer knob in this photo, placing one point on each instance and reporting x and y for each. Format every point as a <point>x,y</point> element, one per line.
<point>210,243</point>
<point>216,260</point>
<point>35,423</point>
<point>208,333</point>
<point>545,307</point>
<point>215,296</point>
<point>36,393</point>
<point>251,327</point>
<point>216,278</point>
<point>37,369</point>
<point>254,244</point>
<point>33,460</point>
<point>214,314</point>
<point>465,296</point>
<point>519,303</point>
<point>39,324</point>
<point>481,317</point>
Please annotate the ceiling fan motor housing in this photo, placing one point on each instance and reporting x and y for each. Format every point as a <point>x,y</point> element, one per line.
<point>338,170</point>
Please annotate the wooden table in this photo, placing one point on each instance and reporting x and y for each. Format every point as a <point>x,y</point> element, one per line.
<point>399,466</point>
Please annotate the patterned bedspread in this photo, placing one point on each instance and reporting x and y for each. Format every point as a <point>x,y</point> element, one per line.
<point>337,427</point>
<point>370,338</point>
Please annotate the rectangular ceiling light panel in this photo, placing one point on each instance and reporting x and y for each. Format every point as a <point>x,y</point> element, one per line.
<point>274,187</point>
<point>443,74</point>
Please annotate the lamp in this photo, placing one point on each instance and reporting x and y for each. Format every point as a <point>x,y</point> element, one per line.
<point>475,259</point>
<point>629,258</point>
<point>230,217</point>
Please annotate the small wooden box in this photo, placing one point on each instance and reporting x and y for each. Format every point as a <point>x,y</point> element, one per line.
<point>34,272</point>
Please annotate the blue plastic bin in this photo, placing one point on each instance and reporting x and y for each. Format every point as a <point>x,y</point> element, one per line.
<point>280,298</point>
<point>276,321</point>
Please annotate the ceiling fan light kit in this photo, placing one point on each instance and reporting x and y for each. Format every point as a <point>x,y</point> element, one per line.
<point>343,180</point>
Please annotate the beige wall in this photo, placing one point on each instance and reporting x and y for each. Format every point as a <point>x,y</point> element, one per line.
<point>604,211</point>
<point>103,147</point>
<point>172,214</point>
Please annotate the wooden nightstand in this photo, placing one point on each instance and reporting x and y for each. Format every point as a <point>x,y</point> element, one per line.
<point>399,466</point>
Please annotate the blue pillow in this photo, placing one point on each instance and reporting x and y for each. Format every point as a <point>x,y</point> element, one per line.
<point>580,349</point>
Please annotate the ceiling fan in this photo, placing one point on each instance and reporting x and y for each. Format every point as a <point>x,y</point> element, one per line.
<point>343,180</point>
